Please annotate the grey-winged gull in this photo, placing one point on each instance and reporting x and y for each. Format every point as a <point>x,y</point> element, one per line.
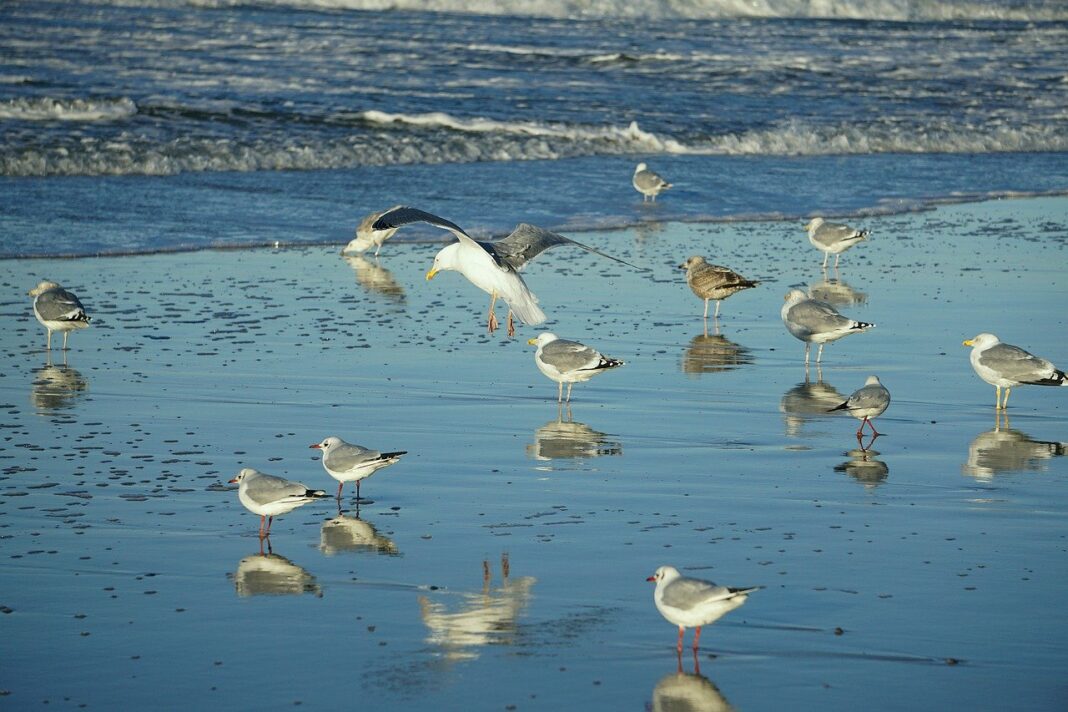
<point>692,602</point>
<point>346,462</point>
<point>713,282</point>
<point>367,236</point>
<point>270,496</point>
<point>866,403</point>
<point>1005,366</point>
<point>493,267</point>
<point>648,183</point>
<point>568,361</point>
<point>57,310</point>
<point>816,322</point>
<point>833,238</point>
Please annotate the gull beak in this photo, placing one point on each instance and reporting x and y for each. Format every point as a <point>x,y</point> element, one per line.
<point>317,446</point>
<point>651,578</point>
<point>232,482</point>
<point>969,342</point>
<point>532,341</point>
<point>430,274</point>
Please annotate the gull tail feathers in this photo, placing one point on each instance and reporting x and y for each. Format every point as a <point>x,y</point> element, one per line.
<point>861,325</point>
<point>842,406</point>
<point>1057,379</point>
<point>525,306</point>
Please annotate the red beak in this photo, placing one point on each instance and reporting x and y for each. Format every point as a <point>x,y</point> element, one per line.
<point>232,482</point>
<point>651,578</point>
<point>317,446</point>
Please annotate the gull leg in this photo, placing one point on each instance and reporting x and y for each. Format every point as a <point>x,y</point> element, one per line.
<point>716,315</point>
<point>569,385</point>
<point>377,248</point>
<point>48,343</point>
<point>825,256</point>
<point>681,631</point>
<point>706,309</point>
<point>1005,403</point>
<point>511,324</point>
<point>836,257</point>
<point>559,391</point>
<point>65,335</point>
<point>263,518</point>
<point>807,345</point>
<point>819,354</point>
<point>339,486</point>
<point>860,430</point>
<point>357,490</point>
<point>874,432</point>
<point>696,637</point>
<point>270,521</point>
<point>492,323</point>
<point>997,397</point>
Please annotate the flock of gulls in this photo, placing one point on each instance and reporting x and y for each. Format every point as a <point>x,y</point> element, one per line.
<point>494,267</point>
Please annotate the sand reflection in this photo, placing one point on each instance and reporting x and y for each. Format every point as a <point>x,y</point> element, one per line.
<point>1005,449</point>
<point>485,618</point>
<point>345,533</point>
<point>565,438</point>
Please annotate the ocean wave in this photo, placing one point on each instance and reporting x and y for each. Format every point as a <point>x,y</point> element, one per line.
<point>436,138</point>
<point>888,10</point>
<point>50,109</point>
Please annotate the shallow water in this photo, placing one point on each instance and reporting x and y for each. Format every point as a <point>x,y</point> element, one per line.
<point>129,568</point>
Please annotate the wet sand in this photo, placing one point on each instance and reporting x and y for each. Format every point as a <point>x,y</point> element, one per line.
<point>502,562</point>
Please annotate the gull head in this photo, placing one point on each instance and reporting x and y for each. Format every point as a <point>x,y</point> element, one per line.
<point>813,224</point>
<point>872,381</point>
<point>328,444</point>
<point>664,575</point>
<point>248,471</point>
<point>982,341</point>
<point>640,167</point>
<point>43,286</point>
<point>692,262</point>
<point>543,338</point>
<point>448,258</point>
<point>795,295</point>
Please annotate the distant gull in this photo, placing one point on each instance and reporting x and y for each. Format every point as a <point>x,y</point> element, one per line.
<point>270,496</point>
<point>568,361</point>
<point>817,322</point>
<point>832,238</point>
<point>492,267</point>
<point>866,403</point>
<point>692,602</point>
<point>346,462</point>
<point>57,310</point>
<point>367,236</point>
<point>1004,366</point>
<point>713,282</point>
<point>648,183</point>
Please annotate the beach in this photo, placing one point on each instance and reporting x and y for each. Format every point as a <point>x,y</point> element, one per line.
<point>502,562</point>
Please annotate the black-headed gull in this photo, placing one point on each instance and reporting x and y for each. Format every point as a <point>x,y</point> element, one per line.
<point>346,462</point>
<point>57,310</point>
<point>691,602</point>
<point>270,496</point>
<point>866,403</point>
<point>1005,366</point>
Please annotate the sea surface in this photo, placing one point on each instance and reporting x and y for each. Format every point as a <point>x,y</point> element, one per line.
<point>138,126</point>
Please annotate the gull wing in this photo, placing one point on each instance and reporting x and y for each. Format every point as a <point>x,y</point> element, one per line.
<point>404,215</point>
<point>1014,363</point>
<point>528,241</point>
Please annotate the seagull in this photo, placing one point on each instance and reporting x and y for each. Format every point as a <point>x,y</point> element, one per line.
<point>866,403</point>
<point>832,238</point>
<point>691,602</point>
<point>648,183</point>
<point>713,281</point>
<point>269,496</point>
<point>1004,366</point>
<point>57,310</point>
<point>568,361</point>
<point>818,322</point>
<point>346,462</point>
<point>492,267</point>
<point>367,235</point>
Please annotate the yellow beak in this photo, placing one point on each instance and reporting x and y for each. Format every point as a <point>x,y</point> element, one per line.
<point>969,342</point>
<point>430,274</point>
<point>532,341</point>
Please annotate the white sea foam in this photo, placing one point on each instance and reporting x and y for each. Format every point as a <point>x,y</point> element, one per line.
<point>892,10</point>
<point>50,109</point>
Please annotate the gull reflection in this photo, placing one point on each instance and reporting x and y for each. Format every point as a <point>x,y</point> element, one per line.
<point>682,691</point>
<point>836,292</point>
<point>375,278</point>
<point>808,401</point>
<point>350,533</point>
<point>56,387</point>
<point>863,465</point>
<point>485,618</point>
<point>560,439</point>
<point>712,353</point>
<point>1005,449</point>
<point>270,574</point>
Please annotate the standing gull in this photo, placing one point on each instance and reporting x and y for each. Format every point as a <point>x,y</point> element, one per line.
<point>367,236</point>
<point>1004,366</point>
<point>832,238</point>
<point>648,183</point>
<point>346,462</point>
<point>492,267</point>
<point>57,310</point>
<point>818,322</point>
<point>269,496</point>
<point>568,361</point>
<point>866,403</point>
<point>712,282</point>
<point>692,602</point>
